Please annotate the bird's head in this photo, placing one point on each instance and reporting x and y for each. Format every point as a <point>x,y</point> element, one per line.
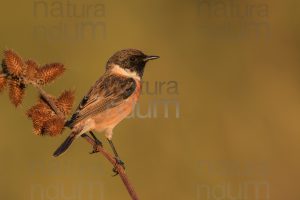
<point>131,60</point>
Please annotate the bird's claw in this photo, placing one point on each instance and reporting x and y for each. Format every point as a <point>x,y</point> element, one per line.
<point>94,151</point>
<point>95,147</point>
<point>118,162</point>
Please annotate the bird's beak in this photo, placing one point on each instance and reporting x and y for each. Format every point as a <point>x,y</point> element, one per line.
<point>150,58</point>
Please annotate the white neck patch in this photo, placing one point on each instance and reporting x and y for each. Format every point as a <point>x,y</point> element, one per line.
<point>119,70</point>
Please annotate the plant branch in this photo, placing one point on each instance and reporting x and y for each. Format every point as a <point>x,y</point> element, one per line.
<point>119,168</point>
<point>48,99</point>
<point>99,148</point>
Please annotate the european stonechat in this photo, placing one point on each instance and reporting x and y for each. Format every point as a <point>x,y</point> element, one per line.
<point>110,100</point>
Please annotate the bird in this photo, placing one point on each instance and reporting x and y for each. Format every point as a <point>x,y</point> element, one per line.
<point>110,100</point>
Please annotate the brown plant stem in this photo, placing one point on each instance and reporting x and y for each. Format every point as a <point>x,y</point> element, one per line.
<point>48,100</point>
<point>99,148</point>
<point>119,168</point>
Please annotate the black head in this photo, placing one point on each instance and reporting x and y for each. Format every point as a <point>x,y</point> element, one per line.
<point>132,60</point>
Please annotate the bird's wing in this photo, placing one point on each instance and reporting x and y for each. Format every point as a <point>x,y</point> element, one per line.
<point>108,92</point>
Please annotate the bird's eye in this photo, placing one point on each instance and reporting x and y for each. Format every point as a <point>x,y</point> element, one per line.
<point>133,59</point>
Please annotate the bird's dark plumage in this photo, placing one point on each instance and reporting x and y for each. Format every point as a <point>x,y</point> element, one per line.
<point>65,145</point>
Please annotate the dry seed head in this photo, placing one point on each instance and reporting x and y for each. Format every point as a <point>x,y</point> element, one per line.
<point>40,110</point>
<point>3,82</point>
<point>65,101</point>
<point>14,63</point>
<point>32,70</point>
<point>39,113</point>
<point>54,126</point>
<point>50,72</point>
<point>16,92</point>
<point>37,126</point>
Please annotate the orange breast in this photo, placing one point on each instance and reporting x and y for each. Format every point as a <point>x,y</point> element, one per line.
<point>111,117</point>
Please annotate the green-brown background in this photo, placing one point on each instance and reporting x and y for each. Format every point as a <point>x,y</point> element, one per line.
<point>239,97</point>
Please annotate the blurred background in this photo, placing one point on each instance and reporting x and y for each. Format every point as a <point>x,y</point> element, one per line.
<point>218,117</point>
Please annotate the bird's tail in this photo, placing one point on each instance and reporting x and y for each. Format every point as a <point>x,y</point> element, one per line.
<point>65,145</point>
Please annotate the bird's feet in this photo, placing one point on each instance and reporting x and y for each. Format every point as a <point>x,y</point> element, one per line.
<point>118,162</point>
<point>95,147</point>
